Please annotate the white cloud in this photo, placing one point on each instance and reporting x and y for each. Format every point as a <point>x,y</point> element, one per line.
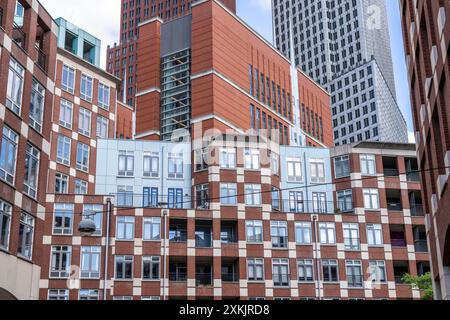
<point>101,18</point>
<point>411,137</point>
<point>263,5</point>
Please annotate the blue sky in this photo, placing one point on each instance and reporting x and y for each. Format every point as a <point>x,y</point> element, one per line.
<point>257,14</point>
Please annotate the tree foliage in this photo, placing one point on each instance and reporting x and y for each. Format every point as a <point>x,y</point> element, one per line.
<point>424,283</point>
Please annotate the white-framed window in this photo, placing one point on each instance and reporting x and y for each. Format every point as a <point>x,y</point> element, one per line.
<point>81,187</point>
<point>151,268</point>
<point>60,261</point>
<point>102,127</point>
<point>82,157</point>
<point>317,170</point>
<point>124,267</point>
<point>280,272</point>
<point>279,234</point>
<point>126,163</point>
<point>58,294</point>
<point>201,159</point>
<point>377,271</point>
<point>103,96</point>
<point>37,105</point>
<point>175,170</point>
<point>88,294</point>
<point>341,167</point>
<point>354,273</point>
<point>327,231</point>
<point>202,196</point>
<point>26,235</point>
<point>276,201</point>
<point>371,199</point>
<point>66,113</point>
<point>63,150</point>
<point>123,298</point>
<point>90,262</point>
<point>296,203</point>
<point>63,219</point>
<point>68,79</point>
<point>251,159</point>
<point>14,89</point>
<point>5,224</point>
<point>351,236</point>
<point>303,233</point>
<point>86,88</point>
<point>305,269</point>
<point>319,200</point>
<point>151,164</point>
<point>330,270</point>
<point>227,158</point>
<point>368,164</point>
<point>61,183</point>
<point>374,235</point>
<point>94,212</point>
<point>274,163</point>
<point>255,269</point>
<point>253,194</point>
<point>254,231</point>
<point>30,183</point>
<point>294,170</point>
<point>125,228</point>
<point>345,200</point>
<point>124,196</point>
<point>84,122</point>
<point>151,298</point>
<point>151,229</point>
<point>228,193</point>
<point>8,155</point>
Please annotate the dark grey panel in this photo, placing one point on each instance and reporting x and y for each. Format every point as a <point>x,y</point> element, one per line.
<point>176,35</point>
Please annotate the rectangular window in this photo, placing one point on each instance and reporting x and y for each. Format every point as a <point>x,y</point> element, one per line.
<point>276,202</point>
<point>354,274</point>
<point>102,127</point>
<point>296,203</point>
<point>26,235</point>
<point>63,150</point>
<point>327,233</point>
<point>305,270</point>
<point>279,234</point>
<point>81,187</point>
<point>68,79</point>
<point>202,196</point>
<point>151,164</point>
<point>371,199</point>
<point>126,163</point>
<point>377,271</point>
<point>61,183</point>
<point>319,202</point>
<point>63,220</point>
<point>255,269</point>
<point>94,212</point>
<point>228,193</point>
<point>151,229</point>
<point>82,157</point>
<point>317,170</point>
<point>253,194</point>
<point>294,170</point>
<point>201,157</point>
<point>103,96</point>
<point>175,166</point>
<point>5,224</point>
<point>175,198</point>
<point>14,89</point>
<point>274,163</point>
<point>330,271</point>
<point>30,183</point>
<point>8,155</point>
<point>150,197</point>
<point>368,164</point>
<point>228,158</point>
<point>125,228</point>
<point>86,88</point>
<point>303,233</point>
<point>58,294</point>
<point>66,114</point>
<point>151,268</point>
<point>124,267</point>
<point>88,295</point>
<point>345,200</point>
<point>124,196</point>
<point>90,262</point>
<point>60,263</point>
<point>251,159</point>
<point>37,106</point>
<point>351,236</point>
<point>254,231</point>
<point>374,235</point>
<point>280,272</point>
<point>84,122</point>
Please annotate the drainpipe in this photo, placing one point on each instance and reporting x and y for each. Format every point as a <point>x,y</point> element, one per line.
<point>317,252</point>
<point>108,224</point>
<point>165,280</point>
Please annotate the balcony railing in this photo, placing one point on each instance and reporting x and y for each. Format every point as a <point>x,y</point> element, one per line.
<point>394,206</point>
<point>19,36</point>
<point>391,172</point>
<point>399,279</point>
<point>413,176</point>
<point>417,210</point>
<point>177,277</point>
<point>230,277</point>
<point>203,279</point>
<point>398,243</point>
<point>203,243</point>
<point>177,236</point>
<point>421,245</point>
<point>41,59</point>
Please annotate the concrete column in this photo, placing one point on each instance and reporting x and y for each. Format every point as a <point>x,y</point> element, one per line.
<point>445,284</point>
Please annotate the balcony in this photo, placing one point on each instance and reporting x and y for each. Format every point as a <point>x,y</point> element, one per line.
<point>412,169</point>
<point>421,246</point>
<point>41,59</point>
<point>228,232</point>
<point>397,233</point>
<point>177,269</point>
<point>390,168</point>
<point>203,279</point>
<point>230,270</point>
<point>177,231</point>
<point>420,239</point>
<point>400,269</point>
<point>203,234</point>
<point>394,200</point>
<point>19,36</point>
<point>415,203</point>
<point>203,272</point>
<point>319,207</point>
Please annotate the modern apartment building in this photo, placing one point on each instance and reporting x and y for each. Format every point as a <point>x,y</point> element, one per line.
<point>345,47</point>
<point>121,58</point>
<point>426,31</point>
<point>27,55</point>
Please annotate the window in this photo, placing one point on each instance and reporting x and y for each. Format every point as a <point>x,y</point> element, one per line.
<point>228,192</point>
<point>26,235</point>
<point>103,96</point>
<point>88,295</point>
<point>124,267</point>
<point>371,199</point>
<point>86,88</point>
<point>63,150</point>
<point>151,268</point>
<point>175,198</point>
<point>255,269</point>
<point>201,159</point>
<point>303,232</point>
<point>202,196</point>
<point>8,155</point>
<point>63,220</point>
<point>60,264</point>
<point>84,122</point>
<point>374,235</point>
<point>124,196</point>
<point>319,202</point>
<point>274,163</point>
<point>90,262</point>
<point>253,194</point>
<point>68,79</point>
<point>125,228</point>
<point>5,224</point>
<point>94,212</point>
<point>61,183</point>
<point>123,298</point>
<point>279,234</point>
<point>82,157</point>
<point>330,271</point>
<point>254,231</point>
<point>175,166</point>
<point>65,114</point>
<point>81,187</point>
<point>280,272</point>
<point>37,106</point>
<point>354,274</point>
<point>30,182</point>
<point>152,229</point>
<point>126,163</point>
<point>345,200</point>
<point>228,158</point>
<point>317,171</point>
<point>58,294</point>
<point>150,198</point>
<point>294,170</point>
<point>15,86</point>
<point>327,233</point>
<point>351,236</point>
<point>296,201</point>
<point>102,127</point>
<point>368,165</point>
<point>377,271</point>
<point>151,298</point>
<point>305,270</point>
<point>251,159</point>
<point>341,167</point>
<point>151,164</point>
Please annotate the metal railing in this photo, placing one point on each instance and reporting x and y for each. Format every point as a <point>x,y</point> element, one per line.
<point>41,59</point>
<point>178,236</point>
<point>230,277</point>
<point>229,240</point>
<point>394,206</point>
<point>391,172</point>
<point>413,176</point>
<point>421,245</point>
<point>177,277</point>
<point>398,243</point>
<point>203,279</point>
<point>19,36</point>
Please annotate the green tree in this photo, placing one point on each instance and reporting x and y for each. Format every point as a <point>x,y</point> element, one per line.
<point>423,283</point>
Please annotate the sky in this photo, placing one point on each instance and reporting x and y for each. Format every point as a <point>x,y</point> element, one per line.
<point>102,19</point>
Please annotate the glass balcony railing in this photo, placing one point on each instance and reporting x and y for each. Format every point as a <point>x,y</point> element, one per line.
<point>230,277</point>
<point>417,210</point>
<point>421,245</point>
